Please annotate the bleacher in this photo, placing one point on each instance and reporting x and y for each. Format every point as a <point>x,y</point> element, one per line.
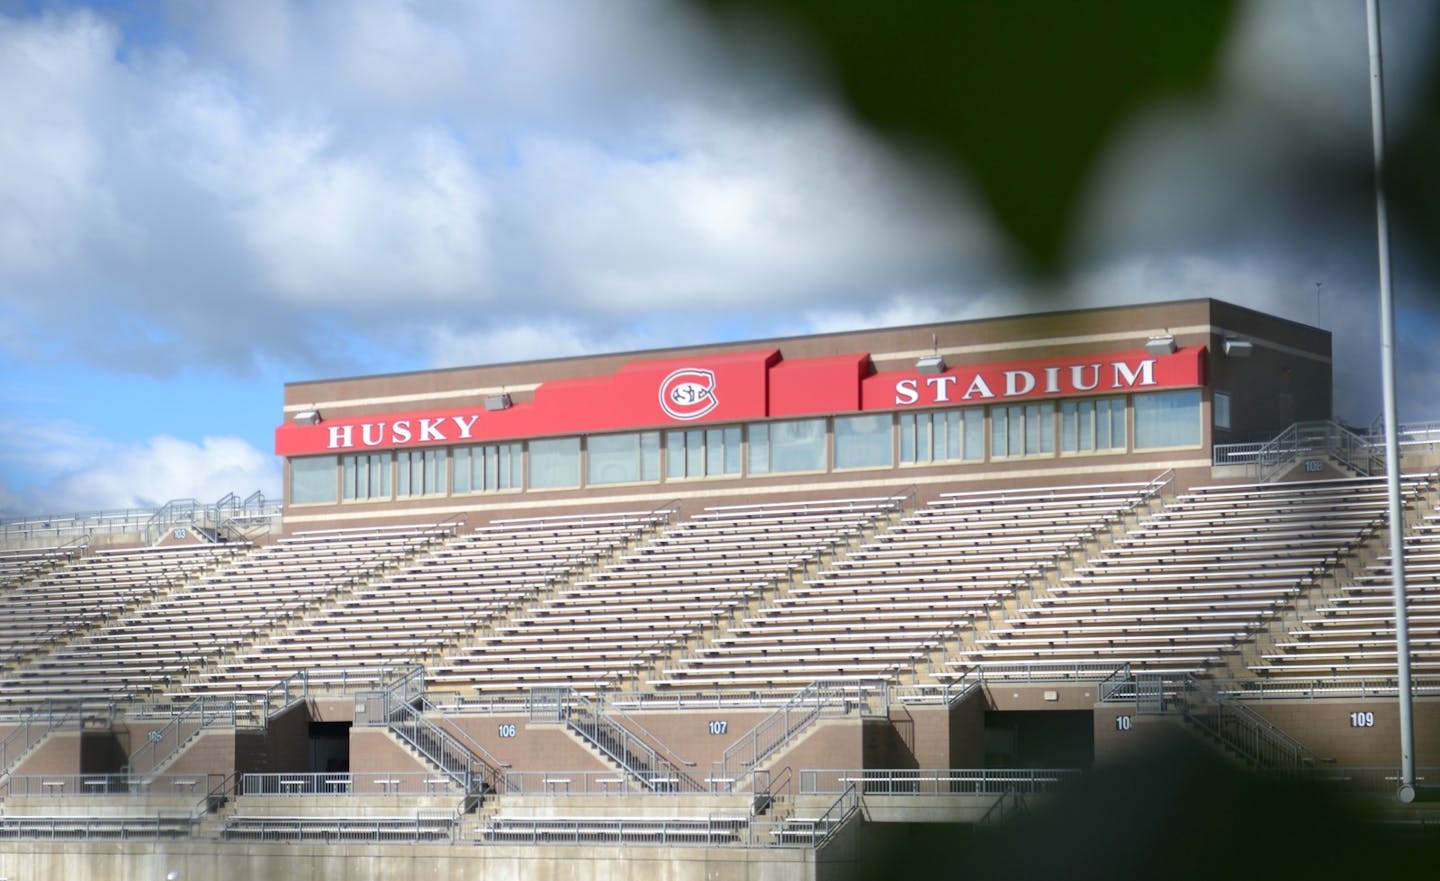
<point>18,564</point>
<point>612,624</point>
<point>1189,584</point>
<point>1353,633</point>
<point>55,604</point>
<point>883,606</point>
<point>408,615</point>
<point>163,628</point>
<point>764,598</point>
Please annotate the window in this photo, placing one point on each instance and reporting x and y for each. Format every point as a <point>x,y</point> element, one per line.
<point>798,445</point>
<point>1092,424</point>
<point>702,452</point>
<point>864,441</point>
<point>555,463</point>
<point>420,472</point>
<point>1167,419</point>
<point>1221,405</point>
<point>487,468</point>
<point>365,476</point>
<point>936,435</point>
<point>1022,430</point>
<point>623,458</point>
<point>312,479</point>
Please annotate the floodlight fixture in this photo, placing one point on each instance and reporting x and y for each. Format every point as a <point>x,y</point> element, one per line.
<point>1235,347</point>
<point>308,417</point>
<point>930,364</point>
<point>1164,344</point>
<point>497,402</point>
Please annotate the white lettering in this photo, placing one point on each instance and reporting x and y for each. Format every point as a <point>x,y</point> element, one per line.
<point>1011,389</point>
<point>941,385</point>
<point>1145,373</point>
<point>1077,374</point>
<point>465,425</point>
<point>401,430</point>
<point>365,434</point>
<point>341,437</point>
<point>906,392</point>
<point>977,387</point>
<point>430,430</point>
<point>1052,380</point>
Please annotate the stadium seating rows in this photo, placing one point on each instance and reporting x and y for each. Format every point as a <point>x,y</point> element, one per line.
<point>765,595</point>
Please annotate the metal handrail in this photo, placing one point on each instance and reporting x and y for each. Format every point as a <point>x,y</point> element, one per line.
<point>167,742</point>
<point>630,752</point>
<point>933,781</point>
<point>830,822</point>
<point>821,698</point>
<point>34,727</point>
<point>1113,687</point>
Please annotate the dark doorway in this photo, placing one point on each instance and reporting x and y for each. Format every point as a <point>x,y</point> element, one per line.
<point>329,747</point>
<point>1039,739</point>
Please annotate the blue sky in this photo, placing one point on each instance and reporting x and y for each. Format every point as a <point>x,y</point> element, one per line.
<point>200,201</point>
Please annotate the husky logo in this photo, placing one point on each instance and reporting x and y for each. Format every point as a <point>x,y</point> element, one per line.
<point>688,393</point>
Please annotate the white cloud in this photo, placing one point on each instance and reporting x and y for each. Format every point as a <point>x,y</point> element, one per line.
<point>72,470</point>
<point>448,347</point>
<point>324,188</point>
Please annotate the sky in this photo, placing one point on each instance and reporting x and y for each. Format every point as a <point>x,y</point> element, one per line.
<point>201,201</point>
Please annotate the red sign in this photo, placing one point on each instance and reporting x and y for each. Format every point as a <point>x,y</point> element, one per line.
<point>739,387</point>
<point>1046,378</point>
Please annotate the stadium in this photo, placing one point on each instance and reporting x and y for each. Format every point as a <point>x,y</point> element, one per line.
<point>769,609</point>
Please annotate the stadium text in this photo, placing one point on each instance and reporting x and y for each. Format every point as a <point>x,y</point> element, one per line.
<point>401,432</point>
<point>983,385</point>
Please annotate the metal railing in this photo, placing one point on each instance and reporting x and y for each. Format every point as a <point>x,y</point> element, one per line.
<point>1363,452</point>
<point>1251,736</point>
<point>1321,689</point>
<point>401,707</point>
<point>162,744</point>
<point>1236,454</point>
<point>936,781</point>
<point>711,830</point>
<point>948,693</point>
<point>98,828</point>
<point>1117,684</point>
<point>228,518</point>
<point>824,698</point>
<point>34,727</point>
<point>1049,671</point>
<point>185,787</point>
<point>641,761</point>
<point>829,823</point>
<point>1237,727</point>
<point>377,783</point>
<point>452,757</point>
<point>422,826</point>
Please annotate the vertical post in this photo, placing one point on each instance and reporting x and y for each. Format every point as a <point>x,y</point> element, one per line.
<point>1406,789</point>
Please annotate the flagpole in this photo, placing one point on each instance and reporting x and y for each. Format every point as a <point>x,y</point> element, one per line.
<point>1406,789</point>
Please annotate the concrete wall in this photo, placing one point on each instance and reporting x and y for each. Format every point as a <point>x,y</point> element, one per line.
<point>1369,740</point>
<point>58,753</point>
<point>1323,726</point>
<point>214,861</point>
<point>535,746</point>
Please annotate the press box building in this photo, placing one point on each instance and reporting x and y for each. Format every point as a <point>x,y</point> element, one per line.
<point>1059,397</point>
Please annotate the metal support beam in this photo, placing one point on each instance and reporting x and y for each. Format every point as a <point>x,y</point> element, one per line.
<point>1406,790</point>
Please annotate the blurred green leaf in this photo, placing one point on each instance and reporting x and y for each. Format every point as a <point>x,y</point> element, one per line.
<point>1019,95</point>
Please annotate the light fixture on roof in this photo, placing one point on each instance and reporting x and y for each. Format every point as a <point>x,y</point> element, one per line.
<point>498,402</point>
<point>931,363</point>
<point>307,417</point>
<point>1237,347</point>
<point>1164,344</point>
